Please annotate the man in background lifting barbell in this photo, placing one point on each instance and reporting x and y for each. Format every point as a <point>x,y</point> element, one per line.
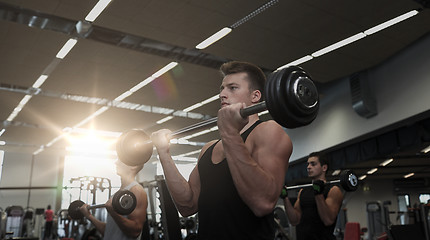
<point>118,227</point>
<point>236,183</point>
<point>315,212</point>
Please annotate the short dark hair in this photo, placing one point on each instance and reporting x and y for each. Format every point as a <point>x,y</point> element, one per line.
<point>256,76</point>
<point>322,158</point>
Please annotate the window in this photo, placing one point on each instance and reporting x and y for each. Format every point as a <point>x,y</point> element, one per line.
<point>89,164</point>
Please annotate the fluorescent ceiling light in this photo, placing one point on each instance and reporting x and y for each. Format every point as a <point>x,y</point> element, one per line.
<point>18,108</point>
<point>123,96</point>
<point>362,177</point>
<point>339,44</point>
<point>13,115</point>
<point>211,99</point>
<point>2,131</point>
<point>40,81</point>
<point>24,101</point>
<point>200,133</point>
<point>164,120</point>
<point>352,39</point>
<point>335,172</point>
<point>38,151</point>
<point>386,162</point>
<point>426,150</point>
<point>142,84</point>
<point>197,105</point>
<point>297,62</point>
<point>66,48</point>
<point>391,22</point>
<point>215,37</point>
<point>97,9</point>
<point>164,69</point>
<point>371,171</point>
<point>409,175</point>
<point>2,143</point>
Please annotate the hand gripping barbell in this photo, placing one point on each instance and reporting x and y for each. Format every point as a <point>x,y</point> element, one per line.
<point>347,179</point>
<point>123,203</point>
<point>291,98</point>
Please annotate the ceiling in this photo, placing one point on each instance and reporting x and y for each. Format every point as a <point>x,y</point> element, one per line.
<point>132,39</point>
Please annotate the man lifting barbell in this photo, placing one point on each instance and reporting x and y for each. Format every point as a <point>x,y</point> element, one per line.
<point>119,227</point>
<point>315,211</point>
<point>236,183</point>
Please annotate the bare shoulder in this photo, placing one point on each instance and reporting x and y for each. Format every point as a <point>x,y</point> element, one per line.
<point>271,125</point>
<point>272,131</point>
<point>207,145</point>
<point>138,189</point>
<point>335,192</point>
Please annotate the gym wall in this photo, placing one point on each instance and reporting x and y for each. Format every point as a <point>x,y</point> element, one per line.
<point>401,87</point>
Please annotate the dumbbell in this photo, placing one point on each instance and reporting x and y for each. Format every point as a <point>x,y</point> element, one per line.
<point>123,203</point>
<point>347,179</point>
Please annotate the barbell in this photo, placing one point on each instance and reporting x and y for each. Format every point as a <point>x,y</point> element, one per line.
<point>347,179</point>
<point>291,98</point>
<point>123,203</point>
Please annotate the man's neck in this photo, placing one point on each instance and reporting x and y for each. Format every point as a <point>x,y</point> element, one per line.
<point>321,177</point>
<point>125,181</point>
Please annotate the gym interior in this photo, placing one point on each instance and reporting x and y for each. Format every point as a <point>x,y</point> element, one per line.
<point>71,84</point>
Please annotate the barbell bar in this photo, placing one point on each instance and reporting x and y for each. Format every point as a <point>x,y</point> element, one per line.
<point>347,179</point>
<point>291,98</point>
<point>123,203</point>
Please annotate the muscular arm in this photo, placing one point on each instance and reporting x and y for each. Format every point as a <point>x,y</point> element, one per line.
<point>184,193</point>
<point>132,225</point>
<point>293,213</point>
<point>258,169</point>
<point>328,208</point>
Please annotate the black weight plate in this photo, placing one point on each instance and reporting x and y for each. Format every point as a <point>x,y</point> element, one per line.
<point>348,180</point>
<point>134,148</point>
<point>74,211</point>
<point>286,105</point>
<point>124,202</point>
<point>305,109</point>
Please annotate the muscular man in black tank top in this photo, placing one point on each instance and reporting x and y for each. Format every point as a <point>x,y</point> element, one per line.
<point>315,212</point>
<point>237,181</point>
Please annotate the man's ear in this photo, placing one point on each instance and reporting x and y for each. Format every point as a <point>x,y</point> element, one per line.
<point>324,167</point>
<point>256,96</point>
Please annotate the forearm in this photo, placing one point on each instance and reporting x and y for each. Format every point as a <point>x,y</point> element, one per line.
<point>249,177</point>
<point>179,188</point>
<point>100,226</point>
<point>292,214</point>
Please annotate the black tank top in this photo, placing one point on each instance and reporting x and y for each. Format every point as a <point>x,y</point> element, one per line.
<point>311,226</point>
<point>222,213</point>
